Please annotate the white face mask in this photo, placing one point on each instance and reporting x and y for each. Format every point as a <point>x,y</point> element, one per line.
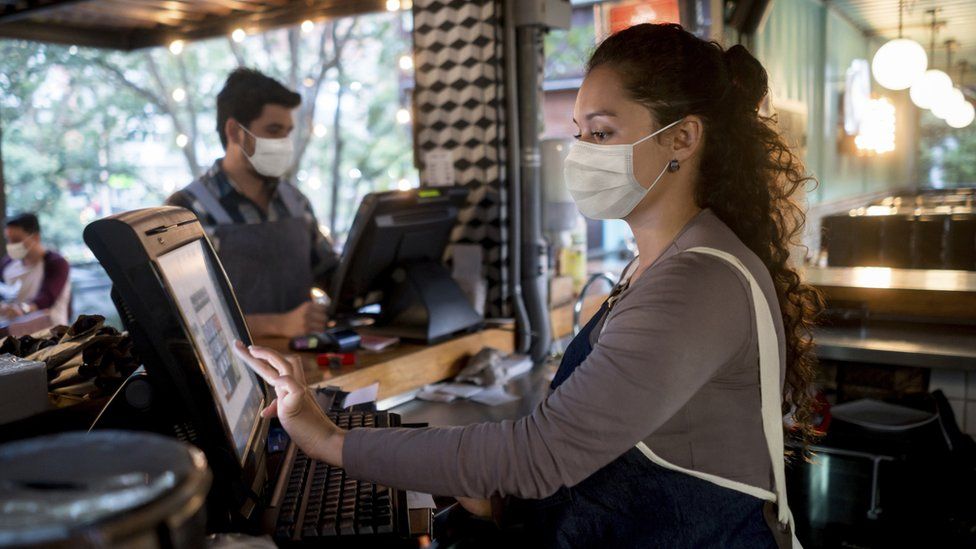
<point>601,178</point>
<point>17,251</point>
<point>271,157</point>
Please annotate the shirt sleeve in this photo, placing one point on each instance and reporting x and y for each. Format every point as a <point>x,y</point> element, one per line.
<point>55,278</point>
<point>183,199</point>
<point>663,341</point>
<point>180,199</point>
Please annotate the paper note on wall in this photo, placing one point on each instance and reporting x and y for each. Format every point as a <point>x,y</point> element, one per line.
<point>439,168</point>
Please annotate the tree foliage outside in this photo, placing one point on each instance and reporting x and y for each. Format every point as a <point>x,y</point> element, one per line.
<point>89,133</point>
<point>947,156</point>
<point>86,133</point>
<point>566,51</point>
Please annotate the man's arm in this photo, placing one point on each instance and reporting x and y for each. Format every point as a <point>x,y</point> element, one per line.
<point>304,319</point>
<point>55,278</point>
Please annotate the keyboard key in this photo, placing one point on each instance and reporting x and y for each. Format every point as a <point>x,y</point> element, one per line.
<point>337,505</point>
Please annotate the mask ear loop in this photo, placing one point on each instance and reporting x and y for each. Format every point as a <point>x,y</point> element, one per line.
<point>244,141</point>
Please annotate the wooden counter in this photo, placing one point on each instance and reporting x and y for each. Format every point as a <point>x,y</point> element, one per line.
<point>404,367</point>
<point>409,366</point>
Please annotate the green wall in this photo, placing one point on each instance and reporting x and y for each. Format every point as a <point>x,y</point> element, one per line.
<point>806,47</point>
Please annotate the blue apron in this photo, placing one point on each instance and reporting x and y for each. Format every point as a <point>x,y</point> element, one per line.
<point>632,502</point>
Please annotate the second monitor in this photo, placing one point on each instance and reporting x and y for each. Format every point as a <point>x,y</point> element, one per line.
<point>394,257</point>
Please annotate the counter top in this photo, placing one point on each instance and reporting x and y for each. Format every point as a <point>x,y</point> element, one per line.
<point>402,368</point>
<point>900,343</point>
<point>892,279</point>
<point>409,366</point>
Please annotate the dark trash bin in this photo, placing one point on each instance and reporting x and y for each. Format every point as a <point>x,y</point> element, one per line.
<point>102,489</point>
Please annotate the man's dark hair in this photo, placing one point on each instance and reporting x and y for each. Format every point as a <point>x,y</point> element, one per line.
<point>244,95</point>
<point>27,222</point>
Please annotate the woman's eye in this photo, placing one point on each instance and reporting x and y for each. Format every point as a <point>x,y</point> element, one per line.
<point>577,136</point>
<point>599,136</point>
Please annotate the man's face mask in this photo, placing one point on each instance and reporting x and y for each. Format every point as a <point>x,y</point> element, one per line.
<point>17,250</point>
<point>601,178</point>
<point>271,157</point>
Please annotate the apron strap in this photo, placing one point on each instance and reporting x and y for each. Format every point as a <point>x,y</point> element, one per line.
<point>202,194</point>
<point>771,398</point>
<point>291,198</point>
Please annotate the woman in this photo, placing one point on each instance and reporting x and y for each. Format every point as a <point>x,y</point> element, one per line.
<point>686,360</point>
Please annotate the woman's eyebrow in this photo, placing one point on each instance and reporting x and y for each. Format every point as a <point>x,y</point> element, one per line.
<point>594,114</point>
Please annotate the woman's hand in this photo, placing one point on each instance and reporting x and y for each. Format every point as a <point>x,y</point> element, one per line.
<point>294,406</point>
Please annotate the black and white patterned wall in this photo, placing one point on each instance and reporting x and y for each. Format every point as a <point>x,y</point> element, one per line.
<point>459,108</point>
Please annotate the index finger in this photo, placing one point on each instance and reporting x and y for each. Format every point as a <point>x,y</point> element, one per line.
<point>274,358</point>
<point>260,367</point>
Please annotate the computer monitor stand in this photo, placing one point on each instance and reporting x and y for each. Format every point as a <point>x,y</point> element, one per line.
<point>423,303</point>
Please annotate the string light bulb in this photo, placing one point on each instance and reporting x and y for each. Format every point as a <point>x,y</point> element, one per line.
<point>899,62</point>
<point>962,116</point>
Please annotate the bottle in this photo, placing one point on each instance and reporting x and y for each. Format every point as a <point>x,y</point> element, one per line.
<point>573,255</point>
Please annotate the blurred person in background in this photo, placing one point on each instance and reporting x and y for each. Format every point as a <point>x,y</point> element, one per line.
<point>34,278</point>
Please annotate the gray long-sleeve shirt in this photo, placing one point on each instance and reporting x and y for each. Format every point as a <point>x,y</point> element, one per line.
<point>675,366</point>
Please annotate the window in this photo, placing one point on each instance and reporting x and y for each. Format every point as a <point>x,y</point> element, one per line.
<point>88,133</point>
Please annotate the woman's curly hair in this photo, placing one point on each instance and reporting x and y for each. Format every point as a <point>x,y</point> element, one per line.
<point>748,174</point>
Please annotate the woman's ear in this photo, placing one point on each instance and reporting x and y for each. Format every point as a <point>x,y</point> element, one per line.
<point>686,137</point>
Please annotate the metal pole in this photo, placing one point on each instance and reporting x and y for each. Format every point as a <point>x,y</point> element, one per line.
<point>523,330</point>
<point>534,249</point>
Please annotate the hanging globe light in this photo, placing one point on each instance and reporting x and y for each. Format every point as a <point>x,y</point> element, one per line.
<point>948,103</point>
<point>929,88</point>
<point>899,63</point>
<point>962,115</point>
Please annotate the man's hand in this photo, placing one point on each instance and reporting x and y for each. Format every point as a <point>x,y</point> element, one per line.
<point>10,311</point>
<point>294,406</point>
<point>315,317</point>
<point>307,318</point>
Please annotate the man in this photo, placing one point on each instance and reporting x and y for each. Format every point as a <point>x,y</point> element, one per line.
<point>34,278</point>
<point>262,227</point>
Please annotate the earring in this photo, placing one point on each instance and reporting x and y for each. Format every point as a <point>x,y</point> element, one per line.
<point>673,166</point>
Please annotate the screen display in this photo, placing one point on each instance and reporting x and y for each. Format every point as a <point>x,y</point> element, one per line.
<point>194,286</point>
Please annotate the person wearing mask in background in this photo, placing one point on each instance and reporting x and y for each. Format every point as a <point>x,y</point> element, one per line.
<point>665,423</point>
<point>262,226</point>
<point>36,278</point>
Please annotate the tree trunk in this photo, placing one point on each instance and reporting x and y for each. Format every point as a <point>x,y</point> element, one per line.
<point>170,107</point>
<point>306,113</point>
<point>191,111</point>
<point>294,43</point>
<point>236,50</point>
<point>336,150</point>
<point>3,187</point>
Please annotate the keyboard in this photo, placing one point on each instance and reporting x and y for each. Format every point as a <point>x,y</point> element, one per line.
<point>320,501</point>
